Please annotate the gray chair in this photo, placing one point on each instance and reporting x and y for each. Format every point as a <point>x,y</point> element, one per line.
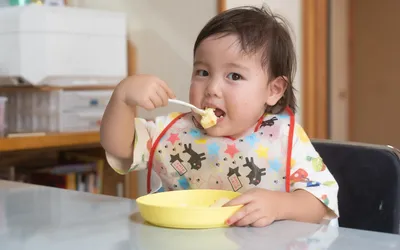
<point>369,184</point>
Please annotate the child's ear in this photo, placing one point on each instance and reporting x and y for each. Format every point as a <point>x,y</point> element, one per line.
<point>276,89</point>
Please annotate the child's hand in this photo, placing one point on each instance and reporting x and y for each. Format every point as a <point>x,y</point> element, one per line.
<point>260,208</point>
<point>146,91</point>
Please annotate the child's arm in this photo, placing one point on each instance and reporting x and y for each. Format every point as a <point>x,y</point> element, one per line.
<point>117,128</point>
<point>311,182</point>
<point>308,208</point>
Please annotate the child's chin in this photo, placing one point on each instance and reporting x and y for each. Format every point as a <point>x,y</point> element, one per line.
<point>216,132</point>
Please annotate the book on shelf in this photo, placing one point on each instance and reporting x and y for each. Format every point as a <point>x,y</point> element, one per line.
<point>113,185</point>
<point>80,171</point>
<point>74,176</point>
<point>95,182</point>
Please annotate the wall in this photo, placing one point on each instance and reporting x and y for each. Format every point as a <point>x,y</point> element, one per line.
<point>339,69</point>
<point>163,33</point>
<point>375,59</point>
<point>364,59</point>
<point>291,11</point>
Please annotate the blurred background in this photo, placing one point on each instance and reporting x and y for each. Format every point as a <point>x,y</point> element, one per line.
<point>60,61</point>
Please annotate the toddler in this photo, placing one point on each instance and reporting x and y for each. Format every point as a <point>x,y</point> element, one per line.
<point>243,68</point>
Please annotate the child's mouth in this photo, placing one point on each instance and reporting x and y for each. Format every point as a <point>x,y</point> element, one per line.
<point>219,113</point>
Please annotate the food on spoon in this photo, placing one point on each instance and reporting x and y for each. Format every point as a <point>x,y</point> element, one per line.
<point>209,119</point>
<point>220,202</point>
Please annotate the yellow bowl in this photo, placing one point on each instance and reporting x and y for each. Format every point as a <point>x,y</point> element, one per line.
<point>186,208</point>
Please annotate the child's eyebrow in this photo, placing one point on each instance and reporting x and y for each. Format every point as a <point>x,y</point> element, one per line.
<point>236,65</point>
<point>198,62</point>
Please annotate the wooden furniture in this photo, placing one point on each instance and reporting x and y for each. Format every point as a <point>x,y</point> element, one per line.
<point>49,141</point>
<point>18,147</point>
<point>23,147</point>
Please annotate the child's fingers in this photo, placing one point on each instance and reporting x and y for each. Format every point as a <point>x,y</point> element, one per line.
<point>169,91</point>
<point>240,200</point>
<point>156,100</point>
<point>262,222</point>
<point>163,96</point>
<point>249,219</point>
<point>241,213</point>
<point>148,104</point>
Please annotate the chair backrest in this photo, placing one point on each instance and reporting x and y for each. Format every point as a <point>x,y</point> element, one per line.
<point>369,184</point>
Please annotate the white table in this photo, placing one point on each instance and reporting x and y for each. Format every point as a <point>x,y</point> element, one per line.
<point>35,217</point>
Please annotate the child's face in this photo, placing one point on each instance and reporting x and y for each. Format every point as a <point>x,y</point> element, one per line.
<point>234,83</point>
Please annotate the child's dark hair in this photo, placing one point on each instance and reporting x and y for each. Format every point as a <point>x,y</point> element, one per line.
<point>260,30</point>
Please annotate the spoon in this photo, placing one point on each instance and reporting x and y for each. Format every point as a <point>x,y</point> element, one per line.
<point>195,109</point>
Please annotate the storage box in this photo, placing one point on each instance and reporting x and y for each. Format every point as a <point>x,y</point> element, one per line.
<point>62,46</point>
<point>80,121</point>
<point>56,111</point>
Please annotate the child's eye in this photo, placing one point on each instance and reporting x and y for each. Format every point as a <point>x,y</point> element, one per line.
<point>234,76</point>
<point>202,72</point>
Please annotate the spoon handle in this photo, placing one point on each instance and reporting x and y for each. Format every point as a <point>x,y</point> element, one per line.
<point>195,109</point>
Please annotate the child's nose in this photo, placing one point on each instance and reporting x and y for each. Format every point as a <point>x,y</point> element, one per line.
<point>213,88</point>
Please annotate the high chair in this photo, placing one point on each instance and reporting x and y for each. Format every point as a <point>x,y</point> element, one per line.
<point>369,184</point>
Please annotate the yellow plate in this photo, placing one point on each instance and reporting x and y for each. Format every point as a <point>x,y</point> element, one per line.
<point>186,208</point>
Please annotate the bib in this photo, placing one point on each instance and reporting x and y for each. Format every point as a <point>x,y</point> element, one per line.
<point>185,157</point>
